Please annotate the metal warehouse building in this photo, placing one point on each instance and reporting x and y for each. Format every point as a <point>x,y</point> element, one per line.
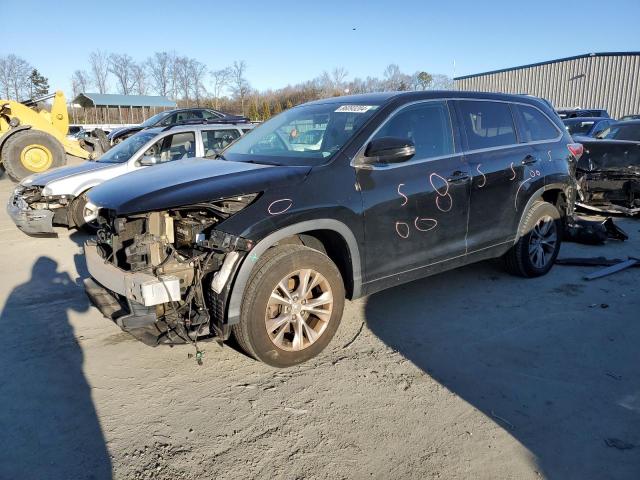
<point>594,80</point>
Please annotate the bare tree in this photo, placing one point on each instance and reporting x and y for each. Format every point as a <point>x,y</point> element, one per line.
<point>159,67</point>
<point>338,75</point>
<point>121,66</point>
<point>221,79</point>
<point>197,72</point>
<point>183,77</point>
<point>14,77</point>
<point>139,74</point>
<point>80,82</point>
<point>239,84</point>
<point>395,79</point>
<point>99,61</point>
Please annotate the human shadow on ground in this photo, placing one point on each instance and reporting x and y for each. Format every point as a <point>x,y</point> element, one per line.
<point>49,425</point>
<point>559,376</point>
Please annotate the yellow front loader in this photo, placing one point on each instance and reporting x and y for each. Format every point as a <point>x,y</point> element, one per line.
<point>33,142</point>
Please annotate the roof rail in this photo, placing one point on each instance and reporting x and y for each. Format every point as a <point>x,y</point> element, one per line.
<point>210,121</point>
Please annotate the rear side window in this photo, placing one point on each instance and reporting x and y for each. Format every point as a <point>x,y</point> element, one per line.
<point>536,126</point>
<point>487,124</point>
<point>215,140</point>
<point>427,125</point>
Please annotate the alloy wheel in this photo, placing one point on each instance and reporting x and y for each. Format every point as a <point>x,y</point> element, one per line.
<point>299,310</point>
<point>543,241</point>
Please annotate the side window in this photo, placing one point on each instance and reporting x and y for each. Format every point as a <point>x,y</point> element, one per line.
<point>170,120</point>
<point>535,125</point>
<point>427,124</point>
<point>184,116</point>
<point>215,140</point>
<point>487,124</point>
<point>208,114</point>
<point>173,147</point>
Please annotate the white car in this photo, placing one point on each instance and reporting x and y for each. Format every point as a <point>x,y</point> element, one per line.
<point>58,197</point>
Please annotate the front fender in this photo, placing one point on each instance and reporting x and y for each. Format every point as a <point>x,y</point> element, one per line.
<point>240,281</point>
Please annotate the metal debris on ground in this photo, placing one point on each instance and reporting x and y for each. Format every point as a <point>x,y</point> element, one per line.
<point>593,230</point>
<point>619,444</point>
<point>612,269</point>
<point>504,420</point>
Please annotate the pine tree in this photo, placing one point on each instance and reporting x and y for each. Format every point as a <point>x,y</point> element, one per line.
<point>265,113</point>
<point>289,104</point>
<point>277,107</point>
<point>253,111</point>
<point>38,84</point>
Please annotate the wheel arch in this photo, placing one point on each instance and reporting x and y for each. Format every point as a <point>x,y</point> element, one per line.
<point>11,133</point>
<point>327,232</point>
<point>554,193</point>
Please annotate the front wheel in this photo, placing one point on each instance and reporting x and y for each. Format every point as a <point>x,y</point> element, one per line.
<point>292,306</point>
<point>31,151</point>
<point>539,244</point>
<point>78,214</point>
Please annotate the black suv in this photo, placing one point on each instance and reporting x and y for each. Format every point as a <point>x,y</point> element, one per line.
<point>174,117</point>
<point>266,241</point>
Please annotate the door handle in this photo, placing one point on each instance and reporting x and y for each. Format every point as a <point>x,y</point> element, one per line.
<point>458,176</point>
<point>529,160</point>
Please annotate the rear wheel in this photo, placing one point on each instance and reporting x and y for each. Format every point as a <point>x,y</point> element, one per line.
<point>539,243</point>
<point>31,151</point>
<point>292,306</point>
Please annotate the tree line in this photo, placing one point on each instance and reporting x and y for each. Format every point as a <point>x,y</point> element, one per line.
<point>191,82</point>
<point>19,80</point>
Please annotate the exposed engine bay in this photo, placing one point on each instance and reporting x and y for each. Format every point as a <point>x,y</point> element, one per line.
<point>182,249</point>
<point>608,177</point>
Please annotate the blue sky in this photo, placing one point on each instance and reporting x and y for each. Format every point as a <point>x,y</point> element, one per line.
<point>285,42</point>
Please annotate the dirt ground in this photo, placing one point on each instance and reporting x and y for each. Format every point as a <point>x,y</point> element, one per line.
<point>469,374</point>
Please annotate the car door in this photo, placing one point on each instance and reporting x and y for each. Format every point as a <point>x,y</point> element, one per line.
<point>498,165</point>
<point>415,212</point>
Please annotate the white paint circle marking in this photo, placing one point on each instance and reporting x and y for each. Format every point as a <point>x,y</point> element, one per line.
<point>276,209</point>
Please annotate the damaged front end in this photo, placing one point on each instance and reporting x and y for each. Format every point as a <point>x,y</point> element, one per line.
<point>35,213</point>
<point>608,177</point>
<point>165,276</point>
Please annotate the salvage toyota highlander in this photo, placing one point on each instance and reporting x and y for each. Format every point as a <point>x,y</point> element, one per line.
<point>266,243</point>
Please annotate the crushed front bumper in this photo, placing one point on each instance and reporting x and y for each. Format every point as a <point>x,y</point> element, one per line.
<point>31,222</point>
<point>139,287</point>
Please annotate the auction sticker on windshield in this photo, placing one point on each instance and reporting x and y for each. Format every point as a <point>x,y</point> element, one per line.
<point>355,108</point>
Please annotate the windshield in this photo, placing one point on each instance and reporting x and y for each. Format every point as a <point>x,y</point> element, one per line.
<point>622,132</point>
<point>579,128</point>
<point>123,151</point>
<point>153,120</point>
<point>306,135</point>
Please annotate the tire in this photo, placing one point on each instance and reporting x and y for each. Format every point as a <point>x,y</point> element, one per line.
<point>77,215</point>
<point>539,242</point>
<point>31,151</point>
<point>283,347</point>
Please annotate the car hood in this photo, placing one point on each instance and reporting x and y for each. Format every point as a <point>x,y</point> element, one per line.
<point>42,179</point>
<point>121,131</point>
<point>190,181</point>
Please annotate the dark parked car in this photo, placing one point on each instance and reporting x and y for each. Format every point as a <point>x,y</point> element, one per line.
<point>630,117</point>
<point>609,171</point>
<point>267,242</point>
<point>587,126</point>
<point>582,112</point>
<point>174,117</point>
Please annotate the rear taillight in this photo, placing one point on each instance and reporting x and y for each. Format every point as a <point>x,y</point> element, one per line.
<point>576,149</point>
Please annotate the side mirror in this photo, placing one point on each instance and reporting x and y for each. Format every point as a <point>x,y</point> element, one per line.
<point>148,160</point>
<point>389,150</point>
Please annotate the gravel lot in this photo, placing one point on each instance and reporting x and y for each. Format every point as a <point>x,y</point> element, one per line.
<point>470,374</point>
